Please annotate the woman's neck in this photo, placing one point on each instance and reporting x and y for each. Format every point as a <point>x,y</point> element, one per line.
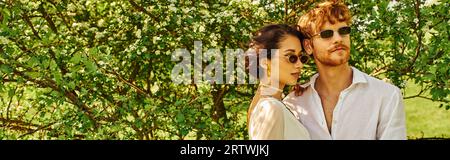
<point>271,90</point>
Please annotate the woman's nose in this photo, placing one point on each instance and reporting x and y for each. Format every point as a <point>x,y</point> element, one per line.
<point>298,64</point>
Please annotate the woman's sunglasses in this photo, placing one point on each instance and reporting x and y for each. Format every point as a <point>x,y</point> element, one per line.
<point>329,33</point>
<point>294,58</point>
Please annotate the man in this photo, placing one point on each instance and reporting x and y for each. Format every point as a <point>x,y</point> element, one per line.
<point>341,102</point>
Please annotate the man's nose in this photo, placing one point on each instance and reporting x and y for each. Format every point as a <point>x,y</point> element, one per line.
<point>337,38</point>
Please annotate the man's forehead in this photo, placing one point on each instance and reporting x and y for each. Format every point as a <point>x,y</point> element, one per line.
<point>328,25</point>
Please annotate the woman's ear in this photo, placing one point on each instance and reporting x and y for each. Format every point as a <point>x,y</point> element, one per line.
<point>307,43</point>
<point>264,63</point>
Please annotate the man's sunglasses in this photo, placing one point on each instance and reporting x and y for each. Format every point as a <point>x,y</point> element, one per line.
<point>294,58</point>
<point>329,33</point>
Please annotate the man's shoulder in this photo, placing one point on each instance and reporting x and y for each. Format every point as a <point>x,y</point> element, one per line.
<point>381,85</point>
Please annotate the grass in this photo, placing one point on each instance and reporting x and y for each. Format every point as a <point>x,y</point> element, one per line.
<point>424,118</point>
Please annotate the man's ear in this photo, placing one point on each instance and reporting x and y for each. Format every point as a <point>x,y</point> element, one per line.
<point>307,43</point>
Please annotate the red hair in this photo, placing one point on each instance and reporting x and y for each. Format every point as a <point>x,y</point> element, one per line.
<point>332,11</point>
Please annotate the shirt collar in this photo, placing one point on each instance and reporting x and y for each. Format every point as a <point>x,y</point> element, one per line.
<point>358,77</point>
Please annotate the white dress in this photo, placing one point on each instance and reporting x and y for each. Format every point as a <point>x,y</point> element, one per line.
<point>272,120</point>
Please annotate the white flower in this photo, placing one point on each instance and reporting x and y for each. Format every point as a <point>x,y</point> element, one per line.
<point>138,33</point>
<point>214,43</point>
<point>99,35</point>
<point>185,10</point>
<point>156,38</point>
<point>431,2</point>
<point>232,29</point>
<point>172,8</point>
<point>101,23</point>
<point>71,7</point>
<point>101,63</point>
<point>236,19</point>
<point>4,40</point>
<point>201,29</point>
<point>154,88</point>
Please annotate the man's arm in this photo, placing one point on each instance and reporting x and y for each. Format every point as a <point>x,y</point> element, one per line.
<point>391,125</point>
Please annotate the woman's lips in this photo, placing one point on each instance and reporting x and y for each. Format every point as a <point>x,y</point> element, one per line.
<point>296,75</point>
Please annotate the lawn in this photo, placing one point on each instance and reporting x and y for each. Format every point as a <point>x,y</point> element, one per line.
<point>424,118</point>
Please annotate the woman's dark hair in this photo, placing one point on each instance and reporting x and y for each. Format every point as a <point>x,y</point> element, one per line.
<point>268,38</point>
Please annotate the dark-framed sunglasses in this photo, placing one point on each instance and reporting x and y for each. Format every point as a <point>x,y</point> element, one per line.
<point>294,58</point>
<point>329,33</point>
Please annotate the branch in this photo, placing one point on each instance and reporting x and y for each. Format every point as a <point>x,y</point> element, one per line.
<point>378,71</point>
<point>28,21</point>
<point>61,66</point>
<point>61,16</point>
<point>9,80</point>
<point>244,94</point>
<point>47,18</point>
<point>18,123</point>
<point>285,11</point>
<point>418,96</point>
<point>9,104</point>
<point>71,95</point>
<point>419,36</point>
<point>37,129</point>
<point>136,69</point>
<point>142,9</point>
<point>434,25</point>
<point>139,90</point>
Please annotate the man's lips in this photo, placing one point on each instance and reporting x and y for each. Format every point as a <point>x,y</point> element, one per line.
<point>338,48</point>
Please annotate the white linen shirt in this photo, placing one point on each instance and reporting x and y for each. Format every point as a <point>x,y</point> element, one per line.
<point>368,109</point>
<point>271,120</point>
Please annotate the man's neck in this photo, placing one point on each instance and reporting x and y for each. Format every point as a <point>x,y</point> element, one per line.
<point>334,79</point>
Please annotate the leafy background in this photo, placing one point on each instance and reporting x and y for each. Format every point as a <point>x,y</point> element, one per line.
<point>100,69</point>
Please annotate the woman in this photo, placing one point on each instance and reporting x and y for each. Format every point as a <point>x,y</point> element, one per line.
<point>268,117</point>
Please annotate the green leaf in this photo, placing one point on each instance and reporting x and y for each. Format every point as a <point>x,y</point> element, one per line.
<point>76,58</point>
<point>33,75</point>
<point>138,123</point>
<point>71,85</point>
<point>90,66</point>
<point>32,62</point>
<point>93,51</point>
<point>201,125</point>
<point>11,92</point>
<point>180,117</point>
<point>6,15</point>
<point>6,69</point>
<point>177,103</point>
<point>58,77</point>
<point>184,132</point>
